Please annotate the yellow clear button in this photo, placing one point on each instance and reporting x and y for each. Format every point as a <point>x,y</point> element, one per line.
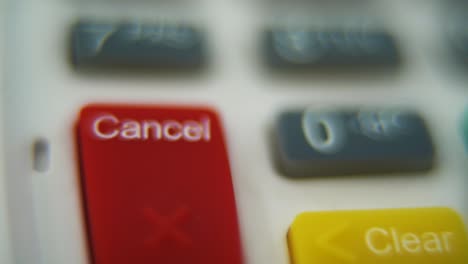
<point>395,236</point>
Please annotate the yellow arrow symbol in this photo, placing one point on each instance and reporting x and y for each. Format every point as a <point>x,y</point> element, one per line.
<point>324,243</point>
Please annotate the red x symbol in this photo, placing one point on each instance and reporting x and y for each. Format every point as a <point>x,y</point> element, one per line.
<point>166,227</point>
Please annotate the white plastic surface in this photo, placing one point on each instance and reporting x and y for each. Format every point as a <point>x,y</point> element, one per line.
<point>5,250</point>
<point>43,95</point>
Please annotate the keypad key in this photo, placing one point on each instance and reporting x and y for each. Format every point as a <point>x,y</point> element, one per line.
<point>459,43</point>
<point>137,45</point>
<point>308,48</point>
<point>329,142</point>
<point>392,236</point>
<point>464,129</point>
<point>157,185</point>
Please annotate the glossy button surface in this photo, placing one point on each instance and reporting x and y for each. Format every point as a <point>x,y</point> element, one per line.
<point>464,129</point>
<point>458,32</point>
<point>137,45</point>
<point>157,186</point>
<point>395,236</point>
<point>309,48</point>
<point>323,142</point>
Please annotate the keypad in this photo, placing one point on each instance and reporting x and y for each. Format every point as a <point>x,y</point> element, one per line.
<point>155,179</point>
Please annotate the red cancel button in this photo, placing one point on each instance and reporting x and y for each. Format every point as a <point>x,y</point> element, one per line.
<point>157,186</point>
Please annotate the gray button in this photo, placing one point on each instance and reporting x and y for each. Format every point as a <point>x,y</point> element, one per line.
<point>323,143</point>
<point>136,45</point>
<point>459,40</point>
<point>303,48</point>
